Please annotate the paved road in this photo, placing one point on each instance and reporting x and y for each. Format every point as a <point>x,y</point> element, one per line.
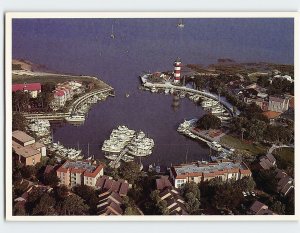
<point>273,147</point>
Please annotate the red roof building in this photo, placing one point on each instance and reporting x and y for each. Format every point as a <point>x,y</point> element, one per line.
<point>32,88</point>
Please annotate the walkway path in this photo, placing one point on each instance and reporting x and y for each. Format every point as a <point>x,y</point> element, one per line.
<point>274,147</point>
<point>223,101</point>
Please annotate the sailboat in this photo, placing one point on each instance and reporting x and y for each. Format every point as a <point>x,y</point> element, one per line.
<point>180,24</point>
<point>112,35</point>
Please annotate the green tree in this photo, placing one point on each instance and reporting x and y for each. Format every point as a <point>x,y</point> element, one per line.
<point>265,180</point>
<point>28,172</point>
<point>89,195</point>
<point>256,129</point>
<point>51,179</point>
<point>73,205</point>
<point>245,184</point>
<point>61,192</point>
<point>20,101</point>
<point>158,207</point>
<point>45,206</point>
<point>209,121</point>
<point>130,172</point>
<point>18,121</point>
<point>278,207</point>
<point>191,195</point>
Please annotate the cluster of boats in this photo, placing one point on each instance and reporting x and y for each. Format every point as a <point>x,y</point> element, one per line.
<point>126,144</point>
<point>119,138</point>
<point>215,108</point>
<point>39,127</point>
<point>140,145</point>
<point>62,151</point>
<point>79,116</point>
<point>184,127</point>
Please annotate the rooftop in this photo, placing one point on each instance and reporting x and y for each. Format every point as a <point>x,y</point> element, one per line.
<point>27,87</point>
<point>26,151</point>
<point>81,167</point>
<point>21,136</point>
<point>206,168</point>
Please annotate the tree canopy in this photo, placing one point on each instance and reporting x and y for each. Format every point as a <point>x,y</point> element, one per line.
<point>209,121</point>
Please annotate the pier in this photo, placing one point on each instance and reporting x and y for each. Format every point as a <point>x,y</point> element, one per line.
<point>58,116</point>
<point>209,95</point>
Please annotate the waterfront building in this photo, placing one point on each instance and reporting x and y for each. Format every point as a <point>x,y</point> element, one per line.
<point>79,173</point>
<point>26,149</point>
<point>32,88</point>
<point>59,98</point>
<point>278,104</point>
<point>205,171</point>
<point>177,70</point>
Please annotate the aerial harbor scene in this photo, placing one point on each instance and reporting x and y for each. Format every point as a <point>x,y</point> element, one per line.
<point>152,116</point>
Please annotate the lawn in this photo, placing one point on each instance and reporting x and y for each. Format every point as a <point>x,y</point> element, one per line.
<point>56,79</point>
<point>237,143</point>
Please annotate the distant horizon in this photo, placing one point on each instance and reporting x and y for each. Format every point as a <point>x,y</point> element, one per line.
<point>67,44</point>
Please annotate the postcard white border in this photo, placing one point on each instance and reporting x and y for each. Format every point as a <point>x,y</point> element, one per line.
<point>8,110</point>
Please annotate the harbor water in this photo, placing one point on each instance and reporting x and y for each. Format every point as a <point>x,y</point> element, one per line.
<point>86,47</point>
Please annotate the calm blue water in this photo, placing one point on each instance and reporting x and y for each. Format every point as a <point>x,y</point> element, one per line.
<point>84,47</point>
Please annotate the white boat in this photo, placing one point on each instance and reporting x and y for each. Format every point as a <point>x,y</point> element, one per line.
<point>112,35</point>
<point>180,24</point>
<point>111,157</point>
<point>215,146</point>
<point>75,118</point>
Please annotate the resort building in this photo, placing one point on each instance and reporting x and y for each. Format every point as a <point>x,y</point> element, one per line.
<point>79,173</point>
<point>278,104</point>
<point>26,150</point>
<point>107,184</point>
<point>110,204</point>
<point>65,91</point>
<point>204,171</point>
<point>32,88</point>
<point>174,202</point>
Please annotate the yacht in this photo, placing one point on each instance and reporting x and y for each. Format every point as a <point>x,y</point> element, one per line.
<point>180,24</point>
<point>215,145</point>
<point>75,118</point>
<point>112,35</point>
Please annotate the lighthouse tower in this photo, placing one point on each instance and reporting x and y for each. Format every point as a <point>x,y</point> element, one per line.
<point>177,69</point>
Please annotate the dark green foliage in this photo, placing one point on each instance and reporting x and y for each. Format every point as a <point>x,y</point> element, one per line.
<point>89,195</point>
<point>18,121</point>
<point>209,121</point>
<point>28,172</point>
<point>51,179</point>
<point>191,195</point>
<point>130,172</point>
<point>45,205</point>
<point>265,180</point>
<point>20,101</point>
<point>73,205</point>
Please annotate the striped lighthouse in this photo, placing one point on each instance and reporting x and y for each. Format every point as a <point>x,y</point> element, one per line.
<point>177,69</point>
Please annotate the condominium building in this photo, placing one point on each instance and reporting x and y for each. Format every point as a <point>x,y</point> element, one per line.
<point>26,149</point>
<point>79,173</point>
<point>204,171</point>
